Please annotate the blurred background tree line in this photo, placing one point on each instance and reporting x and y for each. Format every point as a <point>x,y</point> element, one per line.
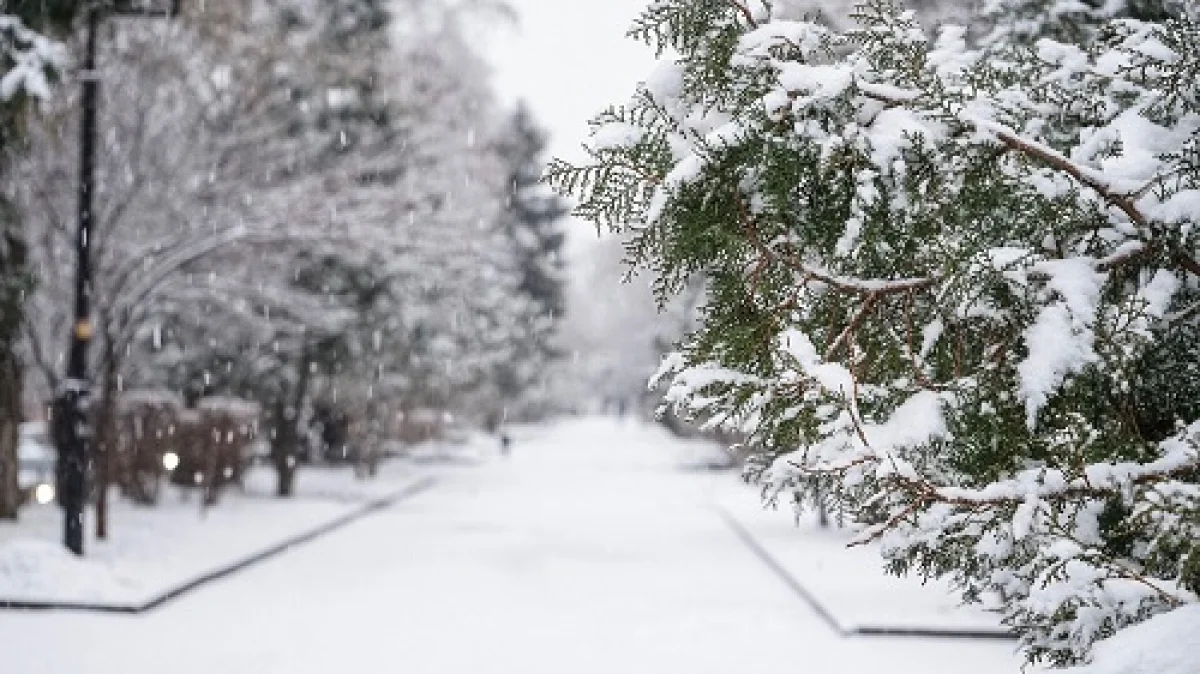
<point>318,209</point>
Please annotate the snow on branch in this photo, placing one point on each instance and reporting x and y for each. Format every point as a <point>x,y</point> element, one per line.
<point>27,59</point>
<point>952,286</point>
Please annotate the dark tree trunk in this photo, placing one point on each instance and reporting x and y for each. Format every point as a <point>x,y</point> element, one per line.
<point>10,425</point>
<point>14,281</point>
<point>106,443</point>
<point>822,511</point>
<point>284,448</point>
<point>369,441</point>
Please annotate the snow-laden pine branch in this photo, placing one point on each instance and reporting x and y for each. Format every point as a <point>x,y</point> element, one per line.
<point>951,286</point>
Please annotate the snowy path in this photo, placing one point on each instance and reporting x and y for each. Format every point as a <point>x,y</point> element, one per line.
<point>586,552</point>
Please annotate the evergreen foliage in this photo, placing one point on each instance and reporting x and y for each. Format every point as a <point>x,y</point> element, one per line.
<point>953,288</point>
<point>333,102</point>
<point>533,217</point>
<point>1069,20</point>
<point>531,227</point>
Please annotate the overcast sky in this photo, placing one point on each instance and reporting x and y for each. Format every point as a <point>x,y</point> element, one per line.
<point>569,59</point>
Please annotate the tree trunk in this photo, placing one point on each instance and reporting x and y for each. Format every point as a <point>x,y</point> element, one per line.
<point>370,441</point>
<point>286,485</point>
<point>283,448</point>
<point>13,288</point>
<point>822,511</point>
<point>10,424</point>
<point>106,443</point>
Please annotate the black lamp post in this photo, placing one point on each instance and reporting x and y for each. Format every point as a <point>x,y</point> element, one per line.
<point>72,430</point>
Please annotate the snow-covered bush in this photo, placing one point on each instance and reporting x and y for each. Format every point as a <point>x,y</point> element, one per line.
<point>953,286</point>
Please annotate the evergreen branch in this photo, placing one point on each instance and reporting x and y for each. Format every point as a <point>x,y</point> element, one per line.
<point>1183,314</point>
<point>1060,162</point>
<point>1126,203</point>
<point>1186,261</point>
<point>809,273</point>
<point>851,328</point>
<point>869,287</point>
<point>744,11</point>
<point>1012,492</point>
<point>1124,255</point>
<point>1115,566</point>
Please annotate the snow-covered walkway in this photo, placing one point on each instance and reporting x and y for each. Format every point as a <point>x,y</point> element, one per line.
<point>587,551</point>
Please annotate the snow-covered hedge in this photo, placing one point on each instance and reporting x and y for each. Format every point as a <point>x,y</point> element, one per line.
<point>953,286</point>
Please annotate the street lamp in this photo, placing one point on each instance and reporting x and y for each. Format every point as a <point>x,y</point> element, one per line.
<point>73,432</point>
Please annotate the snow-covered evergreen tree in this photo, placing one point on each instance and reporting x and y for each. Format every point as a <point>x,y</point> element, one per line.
<point>532,222</point>
<point>1070,20</point>
<point>533,216</point>
<point>953,288</point>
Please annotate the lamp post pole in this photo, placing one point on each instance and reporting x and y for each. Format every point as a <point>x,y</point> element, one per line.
<point>73,428</point>
<point>73,432</point>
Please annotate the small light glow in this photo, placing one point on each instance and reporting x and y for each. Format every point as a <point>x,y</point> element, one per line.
<point>170,461</point>
<point>44,493</point>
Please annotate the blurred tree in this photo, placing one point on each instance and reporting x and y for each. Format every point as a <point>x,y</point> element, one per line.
<point>531,223</point>
<point>401,293</point>
<point>28,61</point>
<point>533,215</point>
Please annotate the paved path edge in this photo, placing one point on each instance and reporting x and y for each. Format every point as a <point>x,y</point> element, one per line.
<point>829,618</point>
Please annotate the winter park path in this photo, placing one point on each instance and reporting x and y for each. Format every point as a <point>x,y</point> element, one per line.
<point>587,551</point>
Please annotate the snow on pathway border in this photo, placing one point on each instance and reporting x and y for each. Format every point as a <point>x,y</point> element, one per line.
<point>158,554</point>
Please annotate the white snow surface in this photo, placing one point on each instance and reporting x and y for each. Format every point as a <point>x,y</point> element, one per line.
<point>154,550</point>
<point>1060,340</point>
<point>593,548</point>
<point>1166,644</point>
<point>848,581</point>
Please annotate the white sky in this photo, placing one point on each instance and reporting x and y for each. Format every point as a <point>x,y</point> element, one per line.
<point>569,59</point>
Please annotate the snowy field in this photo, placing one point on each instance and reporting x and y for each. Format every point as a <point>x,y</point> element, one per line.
<point>589,550</point>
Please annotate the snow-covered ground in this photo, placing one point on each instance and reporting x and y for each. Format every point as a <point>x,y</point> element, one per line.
<point>154,550</point>
<point>848,582</point>
<point>588,550</point>
<point>1166,644</point>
